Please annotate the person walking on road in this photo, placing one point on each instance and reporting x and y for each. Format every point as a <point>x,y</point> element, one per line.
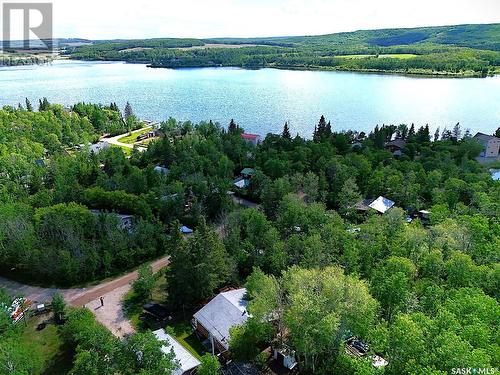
<point>102,301</point>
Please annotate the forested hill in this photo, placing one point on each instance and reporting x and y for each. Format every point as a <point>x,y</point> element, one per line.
<point>463,50</point>
<point>486,36</point>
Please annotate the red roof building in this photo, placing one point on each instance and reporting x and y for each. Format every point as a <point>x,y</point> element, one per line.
<point>254,139</point>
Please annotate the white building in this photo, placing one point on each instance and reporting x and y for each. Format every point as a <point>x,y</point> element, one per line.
<point>187,362</point>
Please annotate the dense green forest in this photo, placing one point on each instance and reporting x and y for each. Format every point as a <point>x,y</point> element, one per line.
<point>424,295</point>
<point>463,50</point>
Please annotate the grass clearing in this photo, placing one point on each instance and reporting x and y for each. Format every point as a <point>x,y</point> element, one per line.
<point>126,150</point>
<point>183,332</point>
<point>403,56</point>
<point>48,345</point>
<point>131,138</point>
<point>389,55</point>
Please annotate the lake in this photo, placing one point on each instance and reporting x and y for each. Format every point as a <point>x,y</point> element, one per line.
<point>262,100</point>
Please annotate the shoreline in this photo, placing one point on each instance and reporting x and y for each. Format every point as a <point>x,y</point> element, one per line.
<point>414,74</point>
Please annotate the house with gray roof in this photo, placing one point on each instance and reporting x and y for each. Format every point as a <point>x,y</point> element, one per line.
<point>216,318</point>
<point>490,143</point>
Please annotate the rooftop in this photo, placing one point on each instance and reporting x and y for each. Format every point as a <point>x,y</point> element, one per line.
<point>398,142</point>
<point>381,204</point>
<point>225,311</point>
<point>250,136</point>
<point>485,137</point>
<point>186,360</point>
<point>248,171</point>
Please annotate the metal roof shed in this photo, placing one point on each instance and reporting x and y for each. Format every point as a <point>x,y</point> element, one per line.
<point>187,361</point>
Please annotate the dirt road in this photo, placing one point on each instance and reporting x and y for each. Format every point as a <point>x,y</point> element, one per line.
<point>74,296</point>
<point>101,289</point>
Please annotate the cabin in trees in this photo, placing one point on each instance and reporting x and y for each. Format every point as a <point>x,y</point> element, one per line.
<point>396,146</point>
<point>381,205</point>
<point>99,146</point>
<point>216,318</point>
<point>243,181</point>
<point>490,143</point>
<point>253,139</point>
<point>187,362</point>
<point>126,221</point>
<point>161,170</point>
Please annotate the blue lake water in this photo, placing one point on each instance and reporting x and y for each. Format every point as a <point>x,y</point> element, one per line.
<point>262,100</point>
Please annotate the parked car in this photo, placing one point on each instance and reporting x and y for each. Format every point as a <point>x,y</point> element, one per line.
<point>155,315</point>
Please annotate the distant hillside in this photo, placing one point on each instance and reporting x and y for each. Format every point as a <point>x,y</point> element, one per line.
<point>462,50</point>
<point>485,36</point>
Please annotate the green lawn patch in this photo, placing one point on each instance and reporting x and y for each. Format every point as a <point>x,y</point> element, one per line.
<point>184,334</point>
<point>126,150</point>
<point>389,55</point>
<point>48,345</point>
<point>132,138</point>
<point>398,55</point>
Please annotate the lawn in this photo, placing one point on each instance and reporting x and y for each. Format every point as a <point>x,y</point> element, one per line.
<point>131,138</point>
<point>127,151</point>
<point>184,334</point>
<point>389,55</point>
<point>398,55</point>
<point>48,345</point>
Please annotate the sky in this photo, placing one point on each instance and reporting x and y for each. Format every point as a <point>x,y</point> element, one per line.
<point>127,19</point>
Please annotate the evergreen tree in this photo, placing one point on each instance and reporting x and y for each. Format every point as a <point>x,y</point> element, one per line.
<point>497,133</point>
<point>233,128</point>
<point>198,267</point>
<point>43,105</point>
<point>411,132</point>
<point>328,131</point>
<point>322,131</point>
<point>128,110</point>
<point>286,132</point>
<point>457,132</point>
<point>29,107</point>
<point>423,135</point>
<point>436,135</point>
<point>114,107</point>
<point>446,135</point>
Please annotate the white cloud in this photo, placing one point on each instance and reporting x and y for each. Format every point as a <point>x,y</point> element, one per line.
<point>107,19</point>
